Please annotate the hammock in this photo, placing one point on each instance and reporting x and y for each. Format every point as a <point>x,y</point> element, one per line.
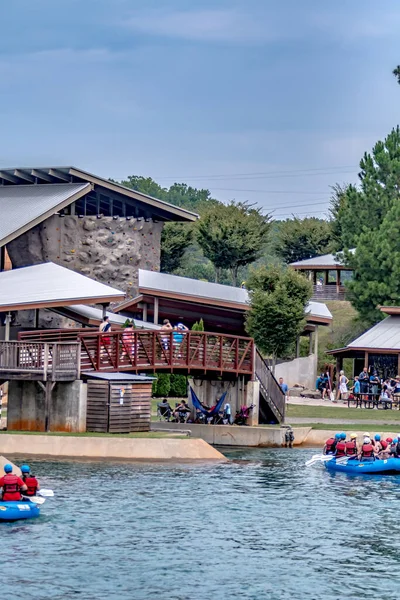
<point>198,406</point>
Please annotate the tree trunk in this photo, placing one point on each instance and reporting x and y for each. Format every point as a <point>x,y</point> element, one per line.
<point>217,274</point>
<point>234,272</point>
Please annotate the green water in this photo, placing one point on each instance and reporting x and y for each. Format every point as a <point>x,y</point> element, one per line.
<point>260,527</point>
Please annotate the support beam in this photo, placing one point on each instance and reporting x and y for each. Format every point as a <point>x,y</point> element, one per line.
<point>47,388</point>
<point>316,341</point>
<point>24,176</point>
<point>59,175</point>
<point>9,177</point>
<point>41,175</point>
<point>8,325</point>
<point>144,311</point>
<point>298,347</point>
<point>155,319</point>
<point>310,343</point>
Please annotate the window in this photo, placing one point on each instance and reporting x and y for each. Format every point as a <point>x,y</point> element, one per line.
<point>105,206</point>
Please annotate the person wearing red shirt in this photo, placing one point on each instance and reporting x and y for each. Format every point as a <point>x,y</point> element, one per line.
<point>12,485</point>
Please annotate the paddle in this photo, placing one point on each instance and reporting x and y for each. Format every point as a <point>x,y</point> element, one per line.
<point>319,458</point>
<point>45,493</point>
<point>34,499</point>
<point>343,460</point>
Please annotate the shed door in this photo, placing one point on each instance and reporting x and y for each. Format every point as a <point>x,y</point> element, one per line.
<point>120,408</point>
<point>97,406</point>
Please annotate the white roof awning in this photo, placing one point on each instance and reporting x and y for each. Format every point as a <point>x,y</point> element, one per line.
<point>89,315</point>
<point>49,285</point>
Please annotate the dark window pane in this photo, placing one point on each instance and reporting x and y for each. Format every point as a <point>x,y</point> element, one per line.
<point>118,208</point>
<point>130,210</point>
<point>80,206</point>
<point>105,205</point>
<point>91,206</point>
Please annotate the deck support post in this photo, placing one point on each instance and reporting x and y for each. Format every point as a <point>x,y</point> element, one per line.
<point>47,388</point>
<point>155,319</point>
<point>8,324</point>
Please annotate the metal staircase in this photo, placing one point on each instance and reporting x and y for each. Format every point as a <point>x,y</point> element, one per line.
<point>272,399</point>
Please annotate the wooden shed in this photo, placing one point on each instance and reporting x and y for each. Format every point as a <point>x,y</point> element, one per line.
<point>118,402</point>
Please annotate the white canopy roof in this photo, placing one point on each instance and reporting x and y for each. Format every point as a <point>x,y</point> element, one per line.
<point>384,335</point>
<point>89,314</point>
<point>48,285</point>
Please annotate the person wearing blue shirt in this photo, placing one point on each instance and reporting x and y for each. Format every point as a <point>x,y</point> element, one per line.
<point>356,387</point>
<point>284,387</point>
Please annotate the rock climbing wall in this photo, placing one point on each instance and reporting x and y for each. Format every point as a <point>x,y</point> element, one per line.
<point>108,250</point>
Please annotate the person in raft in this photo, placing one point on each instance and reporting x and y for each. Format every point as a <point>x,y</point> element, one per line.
<point>30,481</point>
<point>12,485</point>
<point>330,444</point>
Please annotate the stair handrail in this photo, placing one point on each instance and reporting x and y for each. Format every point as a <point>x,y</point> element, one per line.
<point>267,380</point>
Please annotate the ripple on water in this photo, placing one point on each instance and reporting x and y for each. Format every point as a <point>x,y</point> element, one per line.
<point>260,527</point>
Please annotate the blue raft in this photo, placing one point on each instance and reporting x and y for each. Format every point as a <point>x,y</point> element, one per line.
<point>13,511</point>
<point>355,467</point>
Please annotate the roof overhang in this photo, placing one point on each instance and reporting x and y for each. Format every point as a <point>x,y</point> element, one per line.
<point>320,268</point>
<point>48,175</point>
<point>390,310</point>
<point>49,285</point>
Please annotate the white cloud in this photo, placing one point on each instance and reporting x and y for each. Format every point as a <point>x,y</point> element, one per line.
<point>217,25</point>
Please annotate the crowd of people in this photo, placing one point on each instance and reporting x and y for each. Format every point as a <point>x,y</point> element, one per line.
<point>371,447</point>
<point>365,385</point>
<point>14,488</point>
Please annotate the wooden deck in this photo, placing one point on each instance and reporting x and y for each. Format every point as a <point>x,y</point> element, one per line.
<point>41,361</point>
<point>149,350</point>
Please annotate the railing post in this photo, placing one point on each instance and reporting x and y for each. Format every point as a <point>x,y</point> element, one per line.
<point>78,360</point>
<point>205,350</point>
<point>55,360</point>
<point>45,360</point>
<point>117,347</point>
<point>153,343</point>
<point>221,345</point>
<point>98,347</point>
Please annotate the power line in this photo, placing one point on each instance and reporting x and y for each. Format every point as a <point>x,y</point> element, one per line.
<point>268,191</point>
<point>330,170</point>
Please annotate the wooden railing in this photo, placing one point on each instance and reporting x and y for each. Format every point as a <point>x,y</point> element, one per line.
<point>328,292</point>
<point>270,388</point>
<point>40,360</point>
<point>151,350</point>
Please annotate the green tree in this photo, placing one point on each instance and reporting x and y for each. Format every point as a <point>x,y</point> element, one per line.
<point>162,385</point>
<point>178,386</point>
<point>198,326</point>
<point>232,235</point>
<point>278,298</point>
<point>175,239</point>
<point>299,239</point>
<point>377,268</point>
<point>396,73</point>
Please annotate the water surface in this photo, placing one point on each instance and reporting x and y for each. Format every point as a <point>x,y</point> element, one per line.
<point>260,527</point>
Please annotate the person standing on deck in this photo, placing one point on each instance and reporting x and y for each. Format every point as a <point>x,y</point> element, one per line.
<point>364,380</point>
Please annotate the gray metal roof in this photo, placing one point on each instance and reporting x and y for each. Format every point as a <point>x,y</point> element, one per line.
<point>325,260</point>
<point>384,335</point>
<point>90,312</point>
<point>118,377</point>
<point>24,206</point>
<point>49,285</point>
<point>55,175</point>
<point>190,287</point>
<point>161,282</point>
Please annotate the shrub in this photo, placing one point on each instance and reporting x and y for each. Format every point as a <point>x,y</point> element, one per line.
<point>163,385</point>
<point>178,386</point>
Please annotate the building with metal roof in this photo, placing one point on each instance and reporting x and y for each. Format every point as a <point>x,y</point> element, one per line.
<point>89,315</point>
<point>220,306</point>
<point>86,223</point>
<point>328,273</point>
<point>378,348</point>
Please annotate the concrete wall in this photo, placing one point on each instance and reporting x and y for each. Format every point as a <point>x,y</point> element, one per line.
<point>108,250</point>
<point>300,370</point>
<point>107,447</point>
<point>226,435</point>
<point>26,407</point>
<point>208,391</point>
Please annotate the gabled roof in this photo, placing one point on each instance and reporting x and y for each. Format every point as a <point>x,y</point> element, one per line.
<point>384,335</point>
<point>325,261</point>
<point>24,206</point>
<point>55,175</point>
<point>152,283</point>
<point>48,285</point>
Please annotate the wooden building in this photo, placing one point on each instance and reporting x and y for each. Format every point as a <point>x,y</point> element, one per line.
<point>118,402</point>
<point>328,275</point>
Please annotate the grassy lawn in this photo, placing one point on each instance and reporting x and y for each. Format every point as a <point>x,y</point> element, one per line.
<point>332,412</point>
<point>142,434</point>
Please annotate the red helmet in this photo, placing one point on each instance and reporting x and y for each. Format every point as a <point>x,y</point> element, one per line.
<point>389,440</point>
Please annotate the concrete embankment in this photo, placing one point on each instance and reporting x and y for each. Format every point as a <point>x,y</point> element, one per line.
<point>231,435</point>
<point>106,447</point>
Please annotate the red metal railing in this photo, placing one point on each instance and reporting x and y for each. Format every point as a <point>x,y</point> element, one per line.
<point>141,350</point>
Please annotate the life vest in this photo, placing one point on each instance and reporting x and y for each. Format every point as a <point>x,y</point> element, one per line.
<point>10,485</point>
<point>367,451</point>
<point>32,484</point>
<point>340,449</point>
<point>330,446</point>
<point>351,448</point>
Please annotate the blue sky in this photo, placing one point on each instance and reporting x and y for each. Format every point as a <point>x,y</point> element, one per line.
<point>262,100</point>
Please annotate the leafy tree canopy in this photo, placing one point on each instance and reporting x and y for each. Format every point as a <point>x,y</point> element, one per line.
<point>276,318</point>
<point>233,235</point>
<point>299,239</point>
<point>175,239</point>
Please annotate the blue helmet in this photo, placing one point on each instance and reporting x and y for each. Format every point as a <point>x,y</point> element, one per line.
<point>343,435</point>
<point>337,436</point>
<point>25,468</point>
<point>8,468</point>
<point>377,437</point>
<point>395,441</point>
